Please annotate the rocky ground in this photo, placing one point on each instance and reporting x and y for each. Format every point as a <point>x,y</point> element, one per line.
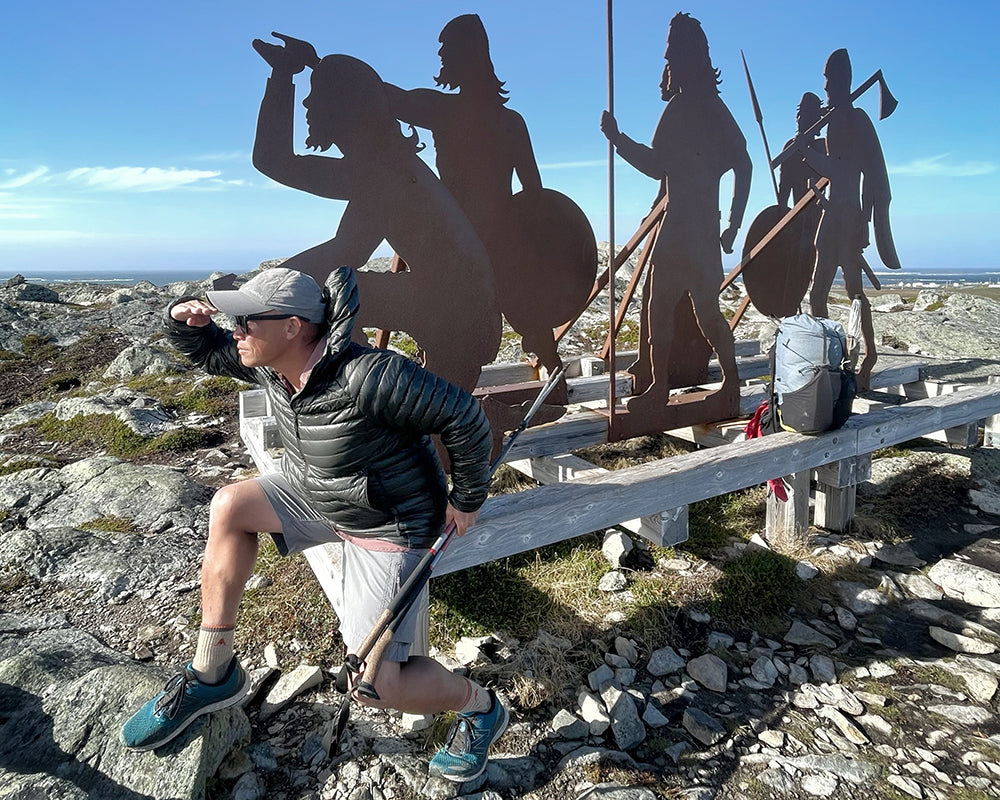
<point>883,685</point>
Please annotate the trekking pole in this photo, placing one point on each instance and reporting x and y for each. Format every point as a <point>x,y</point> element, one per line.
<point>389,620</point>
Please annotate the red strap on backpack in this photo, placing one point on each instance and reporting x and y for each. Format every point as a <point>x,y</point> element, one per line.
<point>754,430</point>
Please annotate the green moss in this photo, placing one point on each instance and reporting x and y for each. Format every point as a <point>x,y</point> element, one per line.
<point>485,598</point>
<point>22,464</point>
<point>39,348</point>
<point>213,396</point>
<point>760,583</point>
<point>106,432</point>
<point>113,524</point>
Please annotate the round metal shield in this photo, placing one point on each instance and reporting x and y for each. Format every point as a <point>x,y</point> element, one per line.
<point>547,263</point>
<point>778,276</point>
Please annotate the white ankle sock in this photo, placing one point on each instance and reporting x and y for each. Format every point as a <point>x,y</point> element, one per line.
<point>214,652</point>
<point>478,700</point>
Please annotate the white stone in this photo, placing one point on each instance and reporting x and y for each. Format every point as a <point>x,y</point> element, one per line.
<point>797,674</point>
<point>626,649</point>
<point>703,727</point>
<point>959,643</point>
<point>879,669</point>
<point>873,722</point>
<point>806,570</point>
<point>416,722</point>
<point>963,581</point>
<point>986,501</point>
<point>289,686</point>
<point>820,785</point>
<point>593,712</point>
<point>904,784</point>
<point>772,738</point>
<point>801,634</point>
<point>612,581</point>
<point>616,547</point>
<point>764,671</point>
<point>468,650</point>
<point>846,619</point>
<point>963,714</point>
<point>982,687</point>
<point>710,671</point>
<point>848,729</point>
<point>822,669</point>
<point>664,661</point>
<point>918,585</point>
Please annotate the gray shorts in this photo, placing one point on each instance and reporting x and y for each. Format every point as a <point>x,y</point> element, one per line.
<point>372,571</point>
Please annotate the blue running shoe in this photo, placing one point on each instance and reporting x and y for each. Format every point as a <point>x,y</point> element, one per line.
<point>181,702</point>
<point>463,756</point>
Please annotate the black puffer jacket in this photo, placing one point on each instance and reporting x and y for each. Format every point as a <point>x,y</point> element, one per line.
<point>356,437</point>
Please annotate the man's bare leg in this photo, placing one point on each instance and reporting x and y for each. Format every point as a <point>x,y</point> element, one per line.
<point>420,685</point>
<point>237,513</point>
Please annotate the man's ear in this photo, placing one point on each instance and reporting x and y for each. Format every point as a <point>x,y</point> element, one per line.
<point>293,327</point>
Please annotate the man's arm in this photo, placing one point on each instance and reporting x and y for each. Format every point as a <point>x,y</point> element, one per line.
<point>190,329</point>
<point>401,395</point>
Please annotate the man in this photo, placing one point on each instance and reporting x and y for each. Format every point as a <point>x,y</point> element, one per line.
<point>695,143</point>
<point>358,464</point>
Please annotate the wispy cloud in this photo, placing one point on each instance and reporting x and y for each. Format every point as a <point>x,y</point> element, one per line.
<point>232,155</point>
<point>16,181</point>
<point>572,164</point>
<point>138,179</point>
<point>940,167</point>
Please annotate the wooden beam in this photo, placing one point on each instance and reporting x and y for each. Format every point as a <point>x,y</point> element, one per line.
<point>511,524</point>
<point>664,529</point>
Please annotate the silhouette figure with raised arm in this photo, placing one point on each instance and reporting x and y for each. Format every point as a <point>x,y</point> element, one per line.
<point>446,300</point>
<point>859,193</point>
<point>539,242</point>
<point>696,142</point>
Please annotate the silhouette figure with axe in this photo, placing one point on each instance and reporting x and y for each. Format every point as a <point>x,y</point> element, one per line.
<point>859,196</point>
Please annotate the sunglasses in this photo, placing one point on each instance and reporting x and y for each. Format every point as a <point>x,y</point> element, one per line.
<point>243,320</point>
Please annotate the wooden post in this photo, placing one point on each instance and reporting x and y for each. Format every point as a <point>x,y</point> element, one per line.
<point>991,425</point>
<point>836,491</point>
<point>788,520</point>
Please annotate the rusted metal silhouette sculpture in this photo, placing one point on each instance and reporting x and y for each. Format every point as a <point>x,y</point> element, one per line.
<point>777,276</point>
<point>539,242</point>
<point>446,300</point>
<point>696,142</point>
<point>859,195</point>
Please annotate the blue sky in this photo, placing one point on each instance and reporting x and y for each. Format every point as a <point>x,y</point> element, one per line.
<point>127,126</point>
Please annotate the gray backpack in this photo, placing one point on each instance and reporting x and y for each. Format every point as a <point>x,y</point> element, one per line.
<point>812,381</point>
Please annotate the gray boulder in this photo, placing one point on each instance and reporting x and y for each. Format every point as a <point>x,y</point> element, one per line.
<point>63,699</point>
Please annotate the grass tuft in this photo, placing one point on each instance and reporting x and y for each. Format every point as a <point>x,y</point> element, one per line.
<point>757,585</point>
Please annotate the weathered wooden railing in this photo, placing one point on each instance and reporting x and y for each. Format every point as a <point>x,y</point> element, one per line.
<point>653,498</point>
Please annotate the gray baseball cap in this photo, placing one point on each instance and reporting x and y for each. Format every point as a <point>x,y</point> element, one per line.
<point>278,289</point>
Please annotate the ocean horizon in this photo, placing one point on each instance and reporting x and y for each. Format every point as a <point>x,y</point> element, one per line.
<point>916,278</point>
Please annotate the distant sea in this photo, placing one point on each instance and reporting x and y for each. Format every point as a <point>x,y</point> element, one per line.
<point>123,277</point>
<point>901,278</point>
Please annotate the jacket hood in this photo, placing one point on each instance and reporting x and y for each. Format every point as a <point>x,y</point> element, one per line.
<point>342,303</point>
